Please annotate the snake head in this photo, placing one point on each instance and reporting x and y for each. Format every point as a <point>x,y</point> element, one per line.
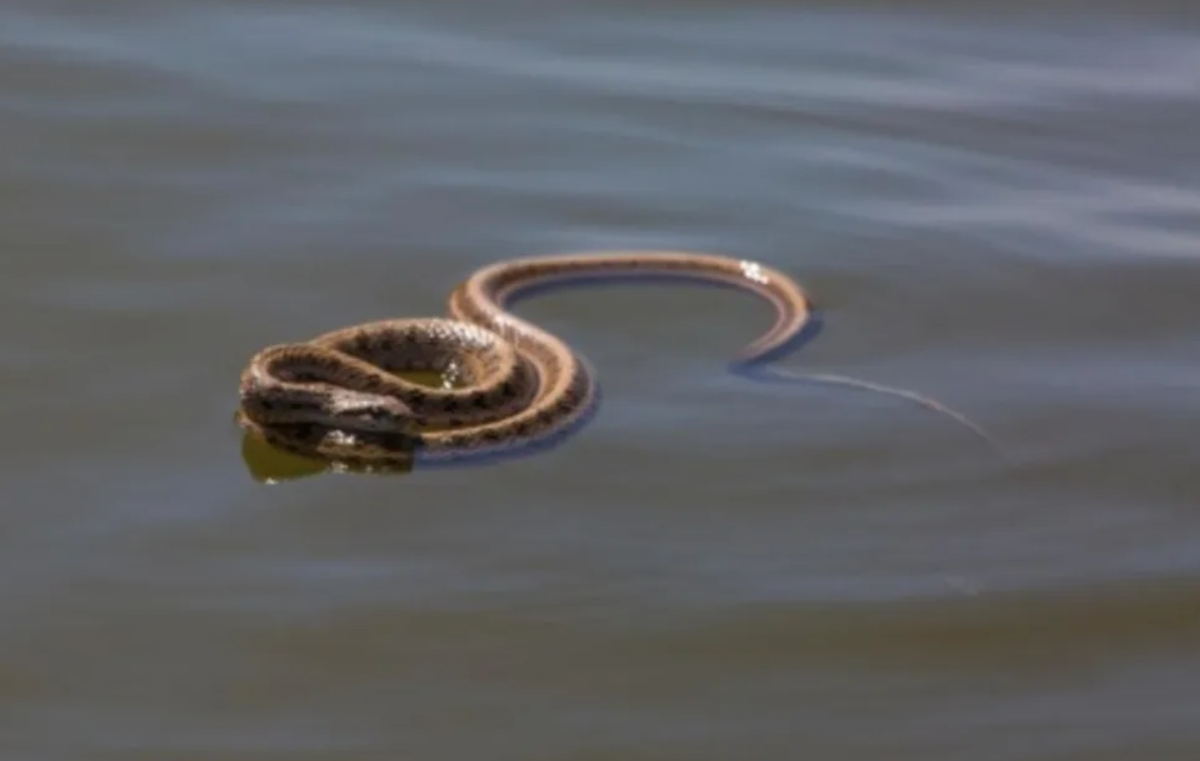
<point>373,413</point>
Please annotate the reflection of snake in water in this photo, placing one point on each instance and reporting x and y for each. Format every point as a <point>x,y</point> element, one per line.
<point>337,396</point>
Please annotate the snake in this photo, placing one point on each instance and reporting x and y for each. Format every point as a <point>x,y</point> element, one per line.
<point>508,383</point>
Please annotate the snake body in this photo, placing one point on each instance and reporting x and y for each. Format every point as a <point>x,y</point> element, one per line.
<point>338,396</point>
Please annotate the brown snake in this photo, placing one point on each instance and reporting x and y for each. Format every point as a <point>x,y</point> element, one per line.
<point>338,397</point>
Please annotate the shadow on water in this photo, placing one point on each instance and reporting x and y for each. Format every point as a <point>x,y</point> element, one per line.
<point>290,454</point>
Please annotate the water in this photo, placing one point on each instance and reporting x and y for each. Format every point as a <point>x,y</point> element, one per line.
<point>994,205</point>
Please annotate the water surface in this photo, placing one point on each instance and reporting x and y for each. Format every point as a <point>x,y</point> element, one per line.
<point>993,205</point>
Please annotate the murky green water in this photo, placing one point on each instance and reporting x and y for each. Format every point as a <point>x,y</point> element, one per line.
<point>994,207</point>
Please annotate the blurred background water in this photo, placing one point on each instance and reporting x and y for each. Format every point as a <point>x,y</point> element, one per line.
<point>994,204</point>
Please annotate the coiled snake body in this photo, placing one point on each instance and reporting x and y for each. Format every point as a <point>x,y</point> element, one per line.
<point>338,397</point>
